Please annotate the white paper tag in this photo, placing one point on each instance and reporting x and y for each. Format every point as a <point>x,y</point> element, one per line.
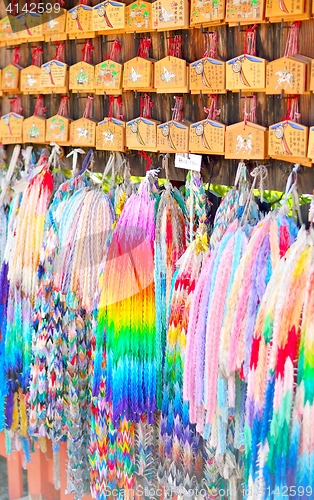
<point>188,161</point>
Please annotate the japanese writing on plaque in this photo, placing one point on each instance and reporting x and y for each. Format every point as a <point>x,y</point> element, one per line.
<point>83,132</point>
<point>170,73</point>
<point>110,135</point>
<point>207,11</point>
<point>141,133</point>
<point>285,74</point>
<point>245,141</point>
<point>11,128</point>
<point>247,10</point>
<point>109,16</point>
<point>280,8</point>
<point>207,136</point>
<point>287,138</point>
<point>245,72</point>
<point>173,137</point>
<point>208,75</point>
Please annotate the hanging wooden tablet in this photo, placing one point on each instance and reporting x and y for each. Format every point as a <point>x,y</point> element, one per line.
<point>80,22</point>
<point>83,130</point>
<point>288,138</point>
<point>54,22</point>
<point>170,15</point>
<point>172,72</point>
<point>208,136</point>
<point>308,63</point>
<point>8,36</point>
<point>285,9</point>
<point>81,74</point>
<point>11,74</point>
<point>138,17</point>
<point>244,12</point>
<point>208,75</point>
<point>29,26</point>
<point>247,72</point>
<point>138,73</point>
<point>109,17</point>
<point>207,13</point>
<point>11,124</point>
<point>58,126</point>
<point>54,74</point>
<point>310,153</point>
<point>286,75</point>
<point>110,132</point>
<point>34,127</point>
<point>30,76</point>
<point>1,93</point>
<point>246,140</point>
<point>141,133</point>
<point>108,74</point>
<point>173,136</point>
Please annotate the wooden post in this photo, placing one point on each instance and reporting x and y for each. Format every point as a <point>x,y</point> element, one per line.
<point>39,477</point>
<point>15,476</point>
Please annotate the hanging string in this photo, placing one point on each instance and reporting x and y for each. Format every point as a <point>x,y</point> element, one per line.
<point>293,109</point>
<point>292,43</point>
<point>37,56</point>
<point>87,52</point>
<point>212,111</point>
<point>250,41</point>
<point>259,172</point>
<point>211,42</point>
<point>177,110</point>
<point>16,56</point>
<point>146,105</point>
<point>16,106</point>
<point>59,55</point>
<point>249,110</point>
<point>115,50</point>
<point>115,108</point>
<point>88,108</point>
<point>63,108</point>
<point>175,46</point>
<point>149,161</point>
<point>40,110</point>
<point>74,153</point>
<point>144,47</point>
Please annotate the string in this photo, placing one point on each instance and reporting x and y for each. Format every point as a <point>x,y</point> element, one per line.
<point>249,109</point>
<point>59,55</point>
<point>259,172</point>
<point>293,109</point>
<point>292,43</point>
<point>87,52</point>
<point>177,110</point>
<point>175,46</point>
<point>63,108</point>
<point>88,108</point>
<point>115,107</point>
<point>250,41</point>
<point>16,56</point>
<point>145,106</point>
<point>211,42</point>
<point>16,106</point>
<point>39,110</point>
<point>149,161</point>
<point>212,111</point>
<point>144,47</point>
<point>37,56</point>
<point>115,50</point>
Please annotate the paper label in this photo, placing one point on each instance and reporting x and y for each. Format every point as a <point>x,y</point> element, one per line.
<point>188,161</point>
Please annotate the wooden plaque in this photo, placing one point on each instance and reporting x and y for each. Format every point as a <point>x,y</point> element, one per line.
<point>173,137</point>
<point>11,78</point>
<point>53,75</point>
<point>30,80</point>
<point>207,12</point>
<point>141,134</point>
<point>284,8</point>
<point>286,74</point>
<point>310,153</point>
<point>171,75</point>
<point>81,77</point>
<point>244,12</point>
<point>138,17</point>
<point>138,74</point>
<point>57,129</point>
<point>170,15</point>
<point>54,25</point>
<point>108,77</point>
<point>207,137</point>
<point>29,26</point>
<point>7,35</point>
<point>245,141</point>
<point>246,73</point>
<point>34,130</point>
<point>288,138</point>
<point>110,135</point>
<point>83,133</point>
<point>11,128</point>
<point>109,17</point>
<point>208,75</point>
<point>79,22</point>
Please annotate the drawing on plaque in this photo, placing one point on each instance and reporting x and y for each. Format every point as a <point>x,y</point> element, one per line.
<point>244,9</point>
<point>166,16</point>
<point>207,8</point>
<point>237,68</point>
<point>101,11</point>
<point>166,132</point>
<point>82,133</point>
<point>134,76</point>
<point>58,124</point>
<point>200,70</point>
<point>284,78</point>
<point>34,132</point>
<point>140,15</point>
<point>30,81</point>
<point>200,132</point>
<point>109,137</point>
<point>6,120</point>
<point>135,129</point>
<point>107,75</point>
<point>280,134</point>
<point>283,6</point>
<point>244,144</point>
<point>9,76</point>
<point>167,76</point>
<point>81,77</point>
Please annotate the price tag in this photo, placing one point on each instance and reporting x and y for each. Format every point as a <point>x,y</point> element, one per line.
<point>188,161</point>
